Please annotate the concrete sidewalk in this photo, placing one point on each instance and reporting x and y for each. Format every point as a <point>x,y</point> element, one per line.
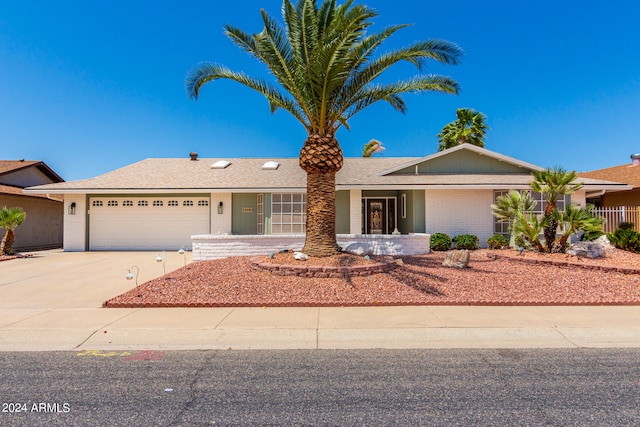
<point>52,301</point>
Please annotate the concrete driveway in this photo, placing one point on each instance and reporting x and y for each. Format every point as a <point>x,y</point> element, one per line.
<point>53,301</point>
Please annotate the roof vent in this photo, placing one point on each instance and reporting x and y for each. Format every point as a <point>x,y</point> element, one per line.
<point>193,155</point>
<point>220,164</point>
<point>635,159</point>
<point>270,165</point>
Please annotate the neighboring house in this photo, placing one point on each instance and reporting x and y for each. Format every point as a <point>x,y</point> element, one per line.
<point>628,174</point>
<point>161,203</point>
<point>43,227</point>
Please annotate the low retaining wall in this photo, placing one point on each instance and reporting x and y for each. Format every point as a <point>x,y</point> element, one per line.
<point>215,246</point>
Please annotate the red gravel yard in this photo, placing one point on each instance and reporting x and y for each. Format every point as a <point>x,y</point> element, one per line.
<point>508,279</point>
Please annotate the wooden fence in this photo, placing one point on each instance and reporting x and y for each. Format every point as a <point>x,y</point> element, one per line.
<point>615,215</point>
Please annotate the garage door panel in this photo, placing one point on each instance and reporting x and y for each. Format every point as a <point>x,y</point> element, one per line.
<point>116,226</point>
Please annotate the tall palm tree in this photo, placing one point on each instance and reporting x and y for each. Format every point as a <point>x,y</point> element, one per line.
<point>323,61</point>
<point>469,127</point>
<point>372,147</point>
<point>10,219</point>
<point>551,183</point>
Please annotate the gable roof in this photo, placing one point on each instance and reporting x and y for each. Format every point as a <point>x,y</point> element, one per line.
<point>629,174</point>
<point>526,167</point>
<point>10,166</point>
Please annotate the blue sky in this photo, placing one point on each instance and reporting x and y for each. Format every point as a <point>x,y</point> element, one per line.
<point>89,87</point>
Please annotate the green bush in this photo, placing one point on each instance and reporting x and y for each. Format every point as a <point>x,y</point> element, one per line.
<point>626,226</point>
<point>466,241</point>
<point>497,241</point>
<point>440,242</point>
<point>627,240</point>
<point>521,242</point>
<point>590,236</point>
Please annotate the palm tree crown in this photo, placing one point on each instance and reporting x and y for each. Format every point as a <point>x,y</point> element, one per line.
<point>324,63</point>
<point>469,127</point>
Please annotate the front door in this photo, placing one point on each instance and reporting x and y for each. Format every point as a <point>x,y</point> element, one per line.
<point>379,216</point>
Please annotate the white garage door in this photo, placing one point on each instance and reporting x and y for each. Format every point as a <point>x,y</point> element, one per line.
<point>130,223</point>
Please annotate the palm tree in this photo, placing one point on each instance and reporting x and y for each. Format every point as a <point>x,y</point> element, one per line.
<point>372,147</point>
<point>552,183</point>
<point>508,207</point>
<point>469,127</point>
<point>323,60</point>
<point>10,218</point>
<point>574,219</point>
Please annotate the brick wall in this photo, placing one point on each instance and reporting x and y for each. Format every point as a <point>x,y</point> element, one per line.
<point>207,247</point>
<point>455,212</point>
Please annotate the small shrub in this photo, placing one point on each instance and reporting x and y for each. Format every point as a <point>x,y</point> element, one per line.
<point>466,241</point>
<point>497,241</point>
<point>521,242</point>
<point>590,236</point>
<point>440,242</point>
<point>626,226</point>
<point>627,240</point>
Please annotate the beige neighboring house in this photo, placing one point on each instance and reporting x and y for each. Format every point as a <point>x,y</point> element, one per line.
<point>43,227</point>
<point>160,203</point>
<point>628,173</point>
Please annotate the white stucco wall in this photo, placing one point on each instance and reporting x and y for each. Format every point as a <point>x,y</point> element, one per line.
<point>355,211</point>
<point>455,212</point>
<point>221,223</point>
<point>75,226</point>
<point>579,198</point>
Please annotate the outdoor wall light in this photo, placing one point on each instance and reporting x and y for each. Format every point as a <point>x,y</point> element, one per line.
<point>220,208</point>
<point>72,208</point>
<point>183,252</point>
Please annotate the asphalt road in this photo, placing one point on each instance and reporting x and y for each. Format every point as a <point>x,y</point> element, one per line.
<point>316,387</point>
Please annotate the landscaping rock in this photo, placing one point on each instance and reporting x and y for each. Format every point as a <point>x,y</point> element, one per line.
<point>604,241</point>
<point>457,259</point>
<point>587,249</point>
<point>359,249</point>
<point>300,256</point>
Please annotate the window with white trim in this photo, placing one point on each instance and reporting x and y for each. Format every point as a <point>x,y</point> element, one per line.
<point>158,203</point>
<point>538,210</point>
<point>173,203</point>
<point>143,203</point>
<point>187,203</point>
<point>96,203</point>
<point>288,213</point>
<point>260,202</point>
<point>127,203</point>
<point>203,203</point>
<point>112,203</point>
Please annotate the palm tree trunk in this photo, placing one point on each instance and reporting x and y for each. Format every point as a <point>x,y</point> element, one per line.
<point>6,247</point>
<point>321,215</point>
<point>321,157</point>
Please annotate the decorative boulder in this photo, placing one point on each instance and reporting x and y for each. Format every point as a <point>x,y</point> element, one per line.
<point>604,241</point>
<point>300,256</point>
<point>457,259</point>
<point>358,248</point>
<point>587,249</point>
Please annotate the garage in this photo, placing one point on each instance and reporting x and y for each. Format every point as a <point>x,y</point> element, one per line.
<point>147,223</point>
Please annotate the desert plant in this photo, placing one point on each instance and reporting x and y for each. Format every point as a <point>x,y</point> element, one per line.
<point>572,220</point>
<point>466,241</point>
<point>521,242</point>
<point>326,66</point>
<point>627,240</point>
<point>440,242</point>
<point>10,218</point>
<point>626,225</point>
<point>497,241</point>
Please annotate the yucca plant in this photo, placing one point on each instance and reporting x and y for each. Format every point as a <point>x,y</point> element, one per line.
<point>10,219</point>
<point>325,66</point>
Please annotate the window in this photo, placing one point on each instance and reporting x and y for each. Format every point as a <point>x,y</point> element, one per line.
<point>260,213</point>
<point>187,203</point>
<point>143,203</point>
<point>288,213</point>
<point>173,203</point>
<point>112,203</point>
<point>127,203</point>
<point>403,205</point>
<point>96,203</point>
<point>158,203</point>
<point>203,203</point>
<point>538,210</point>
